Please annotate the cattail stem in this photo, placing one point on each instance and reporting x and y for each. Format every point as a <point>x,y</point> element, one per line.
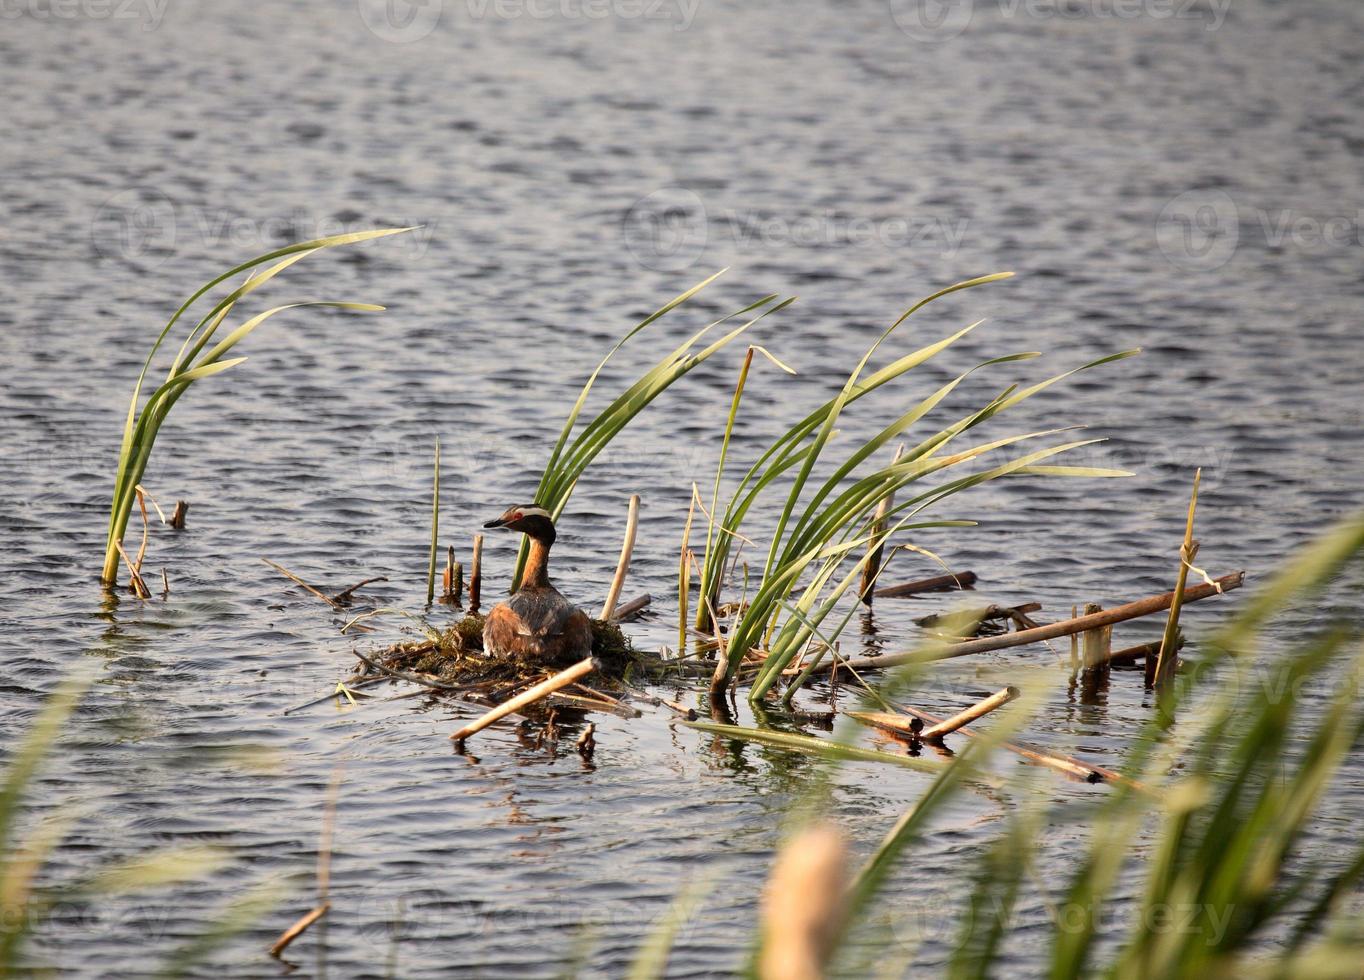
<point>618,583</point>
<point>435,528</point>
<point>877,545</point>
<point>1166,660</point>
<point>476,574</point>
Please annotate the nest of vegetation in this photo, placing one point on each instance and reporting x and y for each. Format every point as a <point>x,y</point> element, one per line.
<point>456,657</point>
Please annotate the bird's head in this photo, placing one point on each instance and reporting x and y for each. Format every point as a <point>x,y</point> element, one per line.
<point>530,520</point>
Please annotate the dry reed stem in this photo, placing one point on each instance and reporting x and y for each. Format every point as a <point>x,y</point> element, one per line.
<point>963,718</point>
<point>1187,551</point>
<point>476,574</point>
<point>298,581</point>
<point>804,905</point>
<point>872,568</point>
<point>324,869</point>
<point>1118,614</point>
<point>529,696</point>
<point>623,566</point>
<point>139,587</point>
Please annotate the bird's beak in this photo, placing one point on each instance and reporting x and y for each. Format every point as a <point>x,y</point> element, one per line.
<point>499,522</point>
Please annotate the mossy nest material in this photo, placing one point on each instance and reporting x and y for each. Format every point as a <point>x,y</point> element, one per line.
<point>457,655</point>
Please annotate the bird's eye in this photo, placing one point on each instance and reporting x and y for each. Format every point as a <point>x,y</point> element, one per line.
<point>517,516</point>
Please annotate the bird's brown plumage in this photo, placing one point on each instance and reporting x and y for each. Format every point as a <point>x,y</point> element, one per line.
<point>537,624</point>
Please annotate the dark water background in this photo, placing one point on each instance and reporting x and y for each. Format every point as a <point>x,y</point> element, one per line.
<point>1191,184</point>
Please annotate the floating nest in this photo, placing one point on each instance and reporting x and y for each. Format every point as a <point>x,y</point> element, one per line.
<point>454,660</point>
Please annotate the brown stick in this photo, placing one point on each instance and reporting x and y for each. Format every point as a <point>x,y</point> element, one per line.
<point>177,520</point>
<point>940,583</point>
<point>1118,614</point>
<point>635,605</point>
<point>1071,766</point>
<point>875,550</point>
<point>294,578</point>
<point>979,709</point>
<point>476,574</point>
<point>298,928</point>
<point>980,615</point>
<point>529,696</point>
<point>1166,660</point>
<point>628,547</point>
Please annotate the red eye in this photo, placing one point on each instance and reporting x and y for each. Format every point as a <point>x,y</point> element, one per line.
<point>517,516</point>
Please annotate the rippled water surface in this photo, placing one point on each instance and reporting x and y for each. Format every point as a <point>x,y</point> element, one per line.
<point>1189,184</point>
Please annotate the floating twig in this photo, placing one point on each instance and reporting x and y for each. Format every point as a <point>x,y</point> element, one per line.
<point>298,581</point>
<point>939,583</point>
<point>542,690</point>
<point>981,708</point>
<point>633,608</point>
<point>626,549</point>
<point>1118,614</point>
<point>343,598</point>
<point>324,864</point>
<point>403,676</point>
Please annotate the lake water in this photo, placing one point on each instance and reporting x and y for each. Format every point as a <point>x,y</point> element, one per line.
<point>1186,177</point>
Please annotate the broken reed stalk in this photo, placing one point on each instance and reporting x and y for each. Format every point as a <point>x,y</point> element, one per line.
<point>939,583</point>
<point>905,724</point>
<point>623,566</point>
<point>1067,627</point>
<point>435,528</point>
<point>1098,642</point>
<point>177,519</point>
<point>476,574</point>
<point>804,905</point>
<point>1166,658</point>
<point>961,719</point>
<point>684,576</point>
<point>529,696</point>
<point>627,609</point>
<point>876,547</point>
<point>298,581</point>
<point>324,875</point>
<point>447,579</point>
